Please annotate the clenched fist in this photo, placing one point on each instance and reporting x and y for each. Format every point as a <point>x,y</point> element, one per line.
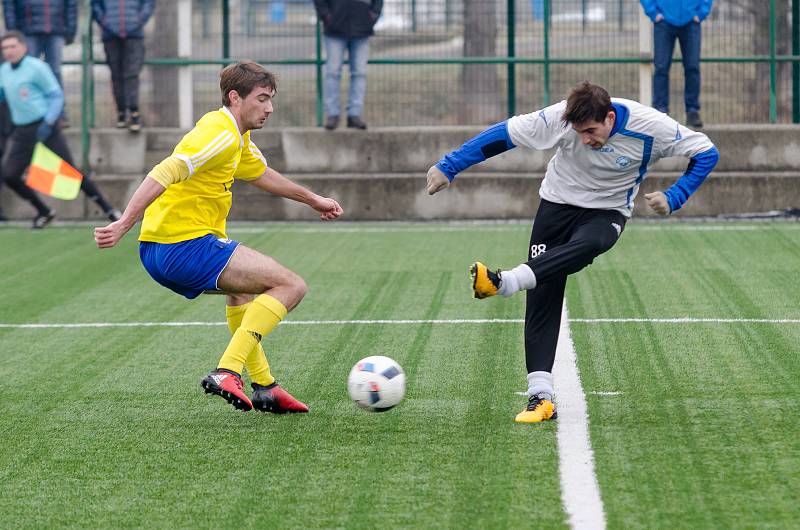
<point>437,180</point>
<point>658,202</point>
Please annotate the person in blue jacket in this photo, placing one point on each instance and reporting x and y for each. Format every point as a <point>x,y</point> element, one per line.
<point>47,25</point>
<point>681,20</point>
<point>122,22</point>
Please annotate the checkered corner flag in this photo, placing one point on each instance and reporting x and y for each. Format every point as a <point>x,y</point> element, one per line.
<point>51,175</point>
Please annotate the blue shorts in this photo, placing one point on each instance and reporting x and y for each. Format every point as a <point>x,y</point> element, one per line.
<point>188,267</point>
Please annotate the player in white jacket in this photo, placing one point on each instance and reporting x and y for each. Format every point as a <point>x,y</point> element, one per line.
<point>603,147</point>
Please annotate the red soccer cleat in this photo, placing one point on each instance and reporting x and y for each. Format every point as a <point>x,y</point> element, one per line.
<point>228,385</point>
<point>275,399</point>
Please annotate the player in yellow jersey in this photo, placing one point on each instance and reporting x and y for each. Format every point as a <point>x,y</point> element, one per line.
<point>185,201</point>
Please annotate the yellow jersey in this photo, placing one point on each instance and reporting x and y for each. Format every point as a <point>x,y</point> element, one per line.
<point>215,154</point>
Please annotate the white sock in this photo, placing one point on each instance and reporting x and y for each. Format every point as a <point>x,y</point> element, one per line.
<point>540,383</point>
<point>520,278</point>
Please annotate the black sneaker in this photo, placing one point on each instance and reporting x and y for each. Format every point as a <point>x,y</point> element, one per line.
<point>693,119</point>
<point>3,217</point>
<point>332,122</point>
<point>114,215</point>
<point>136,123</point>
<point>355,122</point>
<point>122,120</point>
<point>40,221</point>
<point>275,399</point>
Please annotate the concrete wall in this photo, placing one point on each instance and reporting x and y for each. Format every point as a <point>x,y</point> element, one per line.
<point>380,174</point>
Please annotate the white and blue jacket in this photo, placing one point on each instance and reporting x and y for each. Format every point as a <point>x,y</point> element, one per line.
<point>605,178</point>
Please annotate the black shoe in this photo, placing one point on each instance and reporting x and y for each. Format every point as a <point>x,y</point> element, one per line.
<point>136,123</point>
<point>40,221</point>
<point>275,399</point>
<point>3,218</point>
<point>114,215</point>
<point>332,122</point>
<point>122,120</point>
<point>693,119</point>
<point>355,122</point>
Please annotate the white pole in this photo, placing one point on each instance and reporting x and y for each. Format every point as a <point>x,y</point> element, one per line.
<point>185,84</point>
<point>645,52</point>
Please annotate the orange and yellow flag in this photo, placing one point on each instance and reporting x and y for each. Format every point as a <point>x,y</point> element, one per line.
<point>49,174</point>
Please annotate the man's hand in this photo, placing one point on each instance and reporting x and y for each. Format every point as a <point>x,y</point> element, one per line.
<point>328,208</point>
<point>437,180</point>
<point>44,131</point>
<point>109,235</point>
<point>659,17</point>
<point>658,202</point>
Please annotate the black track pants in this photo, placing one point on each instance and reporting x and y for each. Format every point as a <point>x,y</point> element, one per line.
<point>564,240</point>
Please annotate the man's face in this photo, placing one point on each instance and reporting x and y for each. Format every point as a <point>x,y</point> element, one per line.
<point>13,50</point>
<point>595,134</point>
<point>256,108</point>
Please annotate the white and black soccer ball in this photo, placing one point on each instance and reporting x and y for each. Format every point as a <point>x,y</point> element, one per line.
<point>376,383</point>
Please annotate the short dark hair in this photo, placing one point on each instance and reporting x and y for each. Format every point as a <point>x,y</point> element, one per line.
<point>243,77</point>
<point>14,34</point>
<point>587,102</point>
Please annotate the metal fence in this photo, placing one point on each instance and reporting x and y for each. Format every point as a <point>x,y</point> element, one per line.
<point>447,62</point>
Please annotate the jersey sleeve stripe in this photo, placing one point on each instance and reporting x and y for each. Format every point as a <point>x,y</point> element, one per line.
<point>256,152</point>
<point>218,148</point>
<point>210,145</point>
<point>188,162</point>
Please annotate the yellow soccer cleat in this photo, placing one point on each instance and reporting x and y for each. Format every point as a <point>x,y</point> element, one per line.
<point>484,282</point>
<point>538,409</point>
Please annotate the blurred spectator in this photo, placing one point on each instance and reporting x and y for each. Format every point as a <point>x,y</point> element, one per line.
<point>677,19</point>
<point>35,101</point>
<point>348,25</point>
<point>123,23</point>
<point>47,26</point>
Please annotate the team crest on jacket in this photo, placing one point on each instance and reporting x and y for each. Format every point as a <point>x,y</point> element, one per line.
<point>623,161</point>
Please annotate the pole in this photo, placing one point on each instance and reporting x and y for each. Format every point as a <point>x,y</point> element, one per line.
<point>646,57</point>
<point>773,107</point>
<point>511,67</point>
<point>795,65</point>
<point>546,52</point>
<point>319,73</point>
<point>226,30</point>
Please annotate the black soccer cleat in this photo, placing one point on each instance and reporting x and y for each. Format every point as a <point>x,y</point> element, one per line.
<point>273,398</point>
<point>227,385</point>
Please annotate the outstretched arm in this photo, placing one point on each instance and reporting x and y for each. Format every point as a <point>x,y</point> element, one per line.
<point>148,191</point>
<point>700,165</point>
<point>273,182</point>
<point>491,142</point>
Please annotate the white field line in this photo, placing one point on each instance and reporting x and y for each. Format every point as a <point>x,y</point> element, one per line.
<point>678,320</point>
<point>437,227</point>
<point>580,493</point>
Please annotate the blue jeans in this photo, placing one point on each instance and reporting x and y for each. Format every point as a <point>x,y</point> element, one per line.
<point>52,46</point>
<point>664,35</point>
<point>358,54</point>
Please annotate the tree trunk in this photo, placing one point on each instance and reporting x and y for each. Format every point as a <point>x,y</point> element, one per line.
<point>479,84</point>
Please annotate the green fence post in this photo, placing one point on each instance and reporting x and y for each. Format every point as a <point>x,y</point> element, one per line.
<point>795,65</point>
<point>86,65</point>
<point>546,52</point>
<point>90,72</point>
<point>226,30</point>
<point>512,66</point>
<point>319,73</point>
<point>413,16</point>
<point>773,107</point>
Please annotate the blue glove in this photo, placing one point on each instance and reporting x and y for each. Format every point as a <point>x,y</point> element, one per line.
<point>44,131</point>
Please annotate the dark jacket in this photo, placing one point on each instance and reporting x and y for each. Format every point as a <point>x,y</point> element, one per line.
<point>42,17</point>
<point>350,19</point>
<point>124,19</point>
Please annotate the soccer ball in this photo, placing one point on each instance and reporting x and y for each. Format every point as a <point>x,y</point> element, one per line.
<point>376,383</point>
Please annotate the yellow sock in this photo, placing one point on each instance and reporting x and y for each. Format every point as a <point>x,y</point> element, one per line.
<point>258,320</point>
<point>256,363</point>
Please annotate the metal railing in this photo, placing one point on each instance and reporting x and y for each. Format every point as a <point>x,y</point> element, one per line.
<point>548,46</point>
